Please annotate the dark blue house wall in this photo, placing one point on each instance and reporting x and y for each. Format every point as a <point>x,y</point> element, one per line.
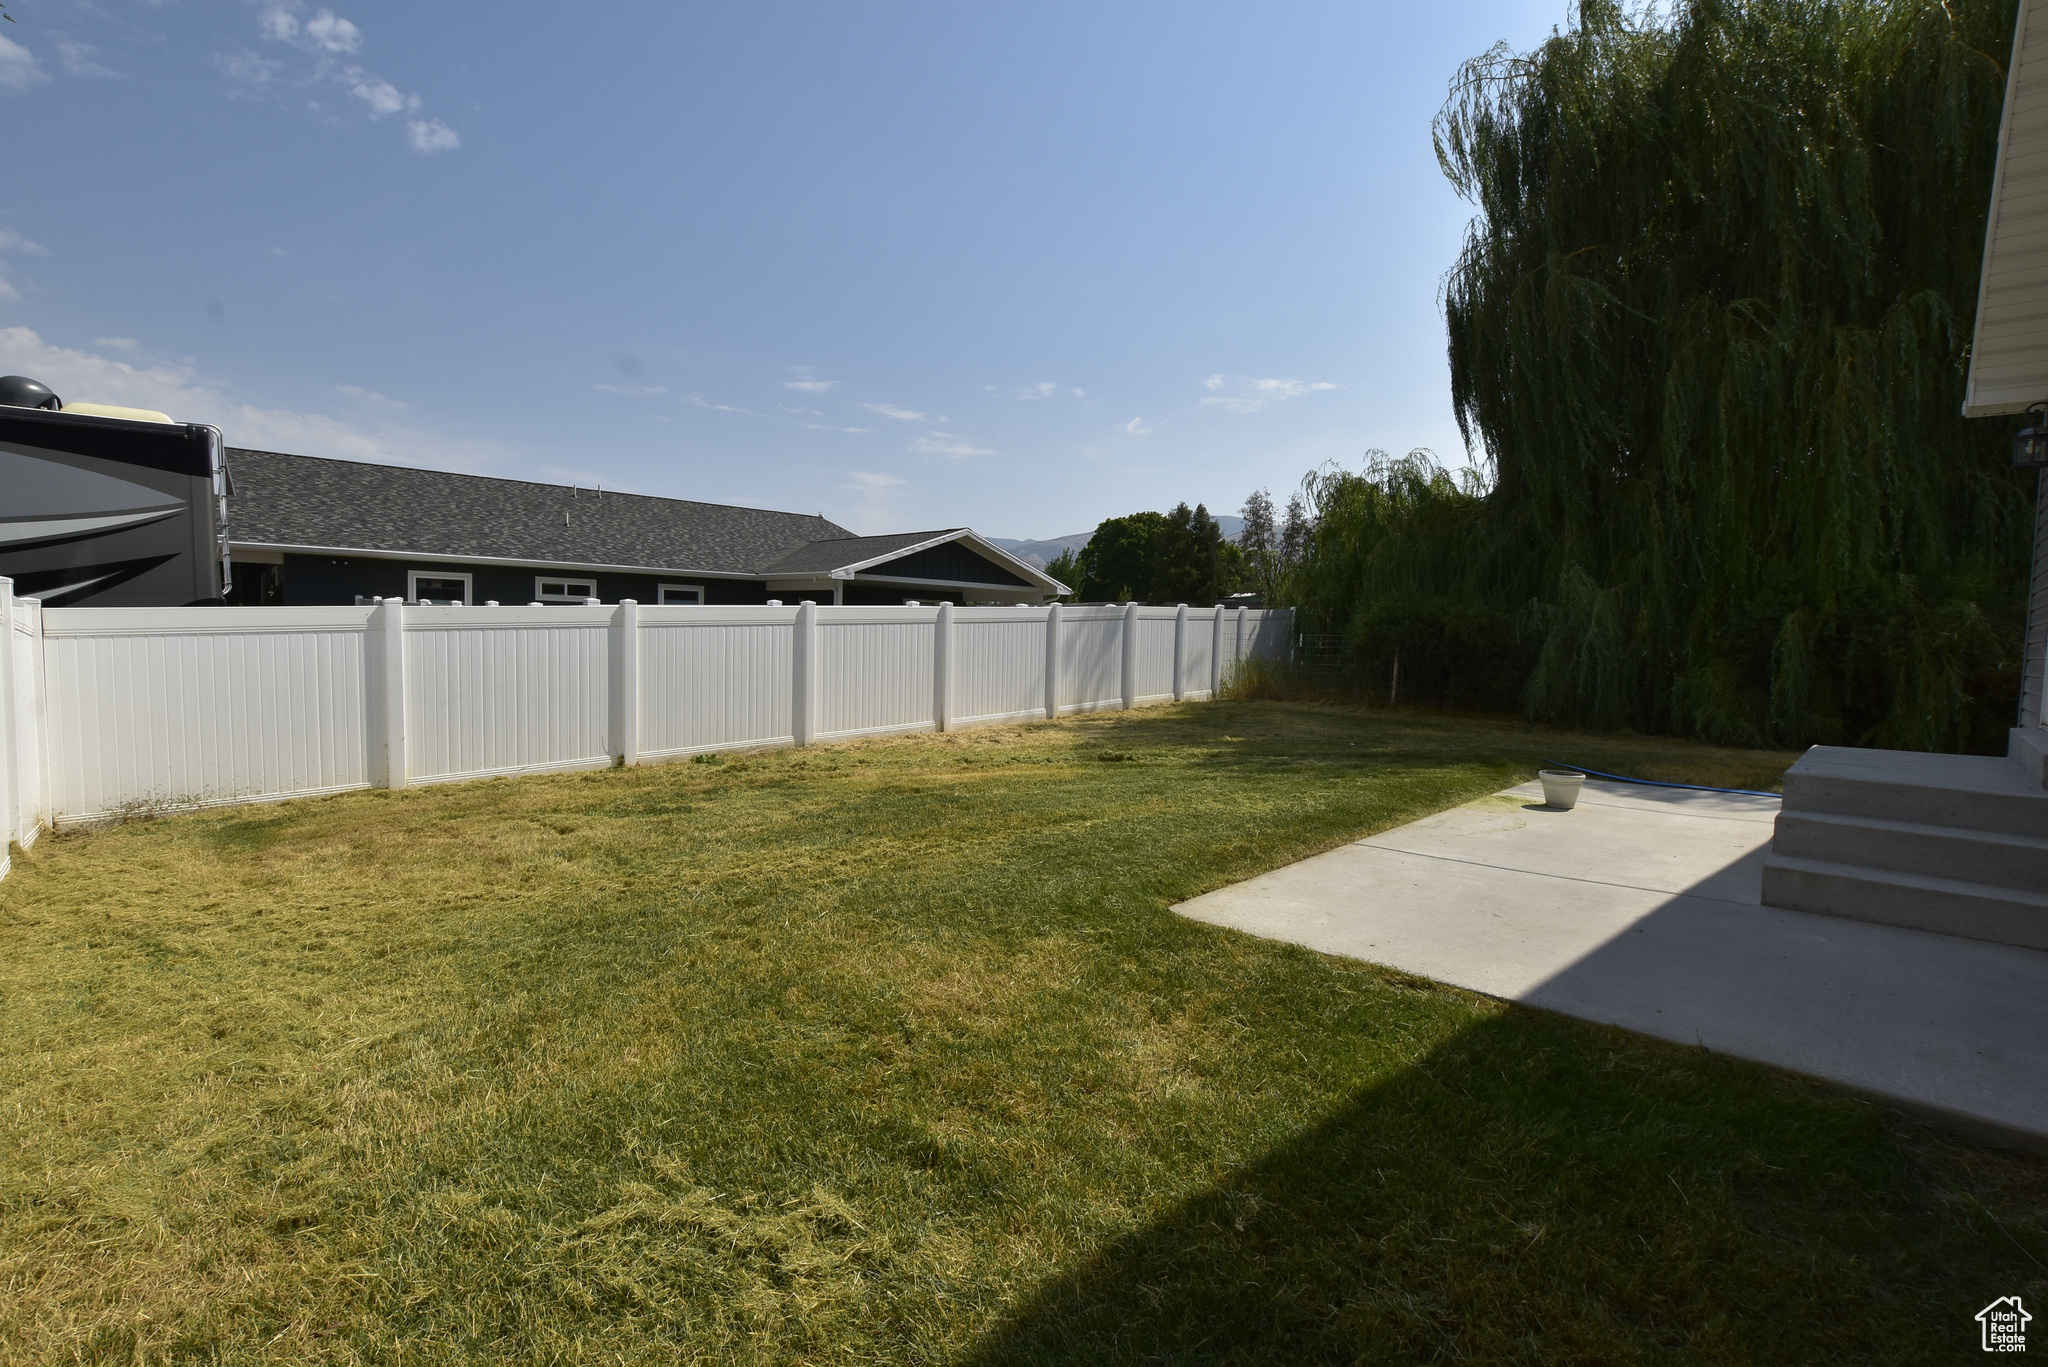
<point>333,580</point>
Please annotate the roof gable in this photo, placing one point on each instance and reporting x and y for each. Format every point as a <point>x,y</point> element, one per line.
<point>951,563</point>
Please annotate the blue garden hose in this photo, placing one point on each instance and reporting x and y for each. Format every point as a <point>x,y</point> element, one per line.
<point>1653,783</point>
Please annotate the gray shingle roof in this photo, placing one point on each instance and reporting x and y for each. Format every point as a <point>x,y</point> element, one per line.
<point>821,557</point>
<point>285,500</point>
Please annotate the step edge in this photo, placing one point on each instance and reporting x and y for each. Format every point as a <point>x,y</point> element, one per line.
<point>1923,882</point>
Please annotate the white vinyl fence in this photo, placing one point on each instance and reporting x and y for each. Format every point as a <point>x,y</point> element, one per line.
<point>110,709</point>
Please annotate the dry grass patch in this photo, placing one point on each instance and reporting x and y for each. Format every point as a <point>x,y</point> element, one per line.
<point>892,1051</point>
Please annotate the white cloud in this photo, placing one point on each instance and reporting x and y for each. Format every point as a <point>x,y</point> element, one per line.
<point>333,33</point>
<point>809,386</point>
<point>431,135</point>
<point>274,251</point>
<point>327,36</point>
<point>828,427</point>
<point>77,57</point>
<point>1078,393</point>
<point>277,21</point>
<point>115,343</point>
<point>13,241</point>
<point>7,290</point>
<point>891,411</point>
<point>1249,394</point>
<point>948,444</point>
<point>1136,427</point>
<point>248,68</point>
<point>703,402</point>
<point>869,481</point>
<point>369,396</point>
<point>324,32</point>
<point>19,71</point>
<point>381,96</point>
<point>1039,391</point>
<point>632,388</point>
<point>178,390</point>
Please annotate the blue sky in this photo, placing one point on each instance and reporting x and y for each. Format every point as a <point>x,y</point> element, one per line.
<point>1019,267</point>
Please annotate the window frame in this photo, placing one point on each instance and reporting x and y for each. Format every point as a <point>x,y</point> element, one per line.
<point>413,577</point>
<point>661,593</point>
<point>565,581</point>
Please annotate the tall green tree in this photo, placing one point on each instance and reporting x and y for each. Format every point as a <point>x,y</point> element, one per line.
<point>1175,557</point>
<point>1708,334</point>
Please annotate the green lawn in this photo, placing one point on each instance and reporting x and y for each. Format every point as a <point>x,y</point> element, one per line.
<point>892,1052</point>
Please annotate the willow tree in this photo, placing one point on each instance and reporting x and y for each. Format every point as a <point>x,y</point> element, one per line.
<point>1709,330</point>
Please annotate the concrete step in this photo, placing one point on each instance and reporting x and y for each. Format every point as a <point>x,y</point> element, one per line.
<point>1994,857</point>
<point>1949,906</point>
<point>1973,792</point>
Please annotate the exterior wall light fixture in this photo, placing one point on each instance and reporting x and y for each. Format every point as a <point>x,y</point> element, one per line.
<point>2030,445</point>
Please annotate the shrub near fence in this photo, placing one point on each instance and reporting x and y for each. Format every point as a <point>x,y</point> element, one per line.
<point>110,709</point>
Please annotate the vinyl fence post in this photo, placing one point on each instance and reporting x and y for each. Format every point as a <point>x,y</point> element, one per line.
<point>626,682</point>
<point>1052,661</point>
<point>1216,655</point>
<point>393,700</point>
<point>10,765</point>
<point>942,669</point>
<point>1237,652</point>
<point>1130,656</point>
<point>1180,653</point>
<point>804,692</point>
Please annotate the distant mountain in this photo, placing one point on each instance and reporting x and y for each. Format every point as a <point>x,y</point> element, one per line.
<point>1043,553</point>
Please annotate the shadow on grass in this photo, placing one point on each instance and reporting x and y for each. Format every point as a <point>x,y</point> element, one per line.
<point>1539,1190</point>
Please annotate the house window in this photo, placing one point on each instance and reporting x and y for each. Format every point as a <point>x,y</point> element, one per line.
<point>682,595</point>
<point>437,587</point>
<point>549,590</point>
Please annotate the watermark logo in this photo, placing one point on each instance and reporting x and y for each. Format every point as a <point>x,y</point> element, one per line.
<point>2005,1325</point>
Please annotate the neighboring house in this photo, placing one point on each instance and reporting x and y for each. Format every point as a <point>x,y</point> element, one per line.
<point>308,531</point>
<point>1957,843</point>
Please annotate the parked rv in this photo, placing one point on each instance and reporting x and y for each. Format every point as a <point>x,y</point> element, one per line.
<point>109,507</point>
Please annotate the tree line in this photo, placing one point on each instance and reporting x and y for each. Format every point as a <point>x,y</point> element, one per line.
<point>1708,338</point>
<point>1182,556</point>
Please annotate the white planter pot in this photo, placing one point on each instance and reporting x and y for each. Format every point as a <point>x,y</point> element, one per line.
<point>1561,788</point>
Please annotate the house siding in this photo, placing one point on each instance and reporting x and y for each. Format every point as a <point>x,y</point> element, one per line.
<point>2009,352</point>
<point>336,581</point>
<point>2034,674</point>
<point>952,563</point>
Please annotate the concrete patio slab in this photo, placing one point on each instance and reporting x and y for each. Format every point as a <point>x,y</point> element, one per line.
<point>1642,908</point>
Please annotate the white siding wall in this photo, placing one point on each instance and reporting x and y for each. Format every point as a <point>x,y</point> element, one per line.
<point>2009,355</point>
<point>2035,662</point>
<point>193,706</point>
